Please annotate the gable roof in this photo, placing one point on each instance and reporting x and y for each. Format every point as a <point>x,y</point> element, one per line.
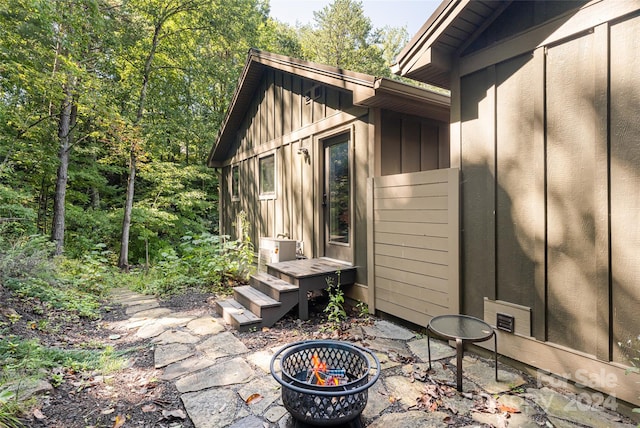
<point>368,91</point>
<point>449,30</point>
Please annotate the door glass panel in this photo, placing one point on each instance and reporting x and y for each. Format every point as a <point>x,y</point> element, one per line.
<point>338,195</point>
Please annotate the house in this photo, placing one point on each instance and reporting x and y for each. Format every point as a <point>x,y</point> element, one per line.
<point>297,154</point>
<point>545,131</point>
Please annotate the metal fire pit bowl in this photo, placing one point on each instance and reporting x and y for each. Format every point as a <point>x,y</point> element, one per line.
<point>325,405</point>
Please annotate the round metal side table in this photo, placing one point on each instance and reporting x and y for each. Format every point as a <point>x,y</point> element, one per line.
<point>461,328</point>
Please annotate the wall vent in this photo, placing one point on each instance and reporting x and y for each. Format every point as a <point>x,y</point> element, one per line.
<point>505,322</point>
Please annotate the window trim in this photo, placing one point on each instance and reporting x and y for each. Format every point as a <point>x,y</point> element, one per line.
<point>235,196</point>
<point>268,195</point>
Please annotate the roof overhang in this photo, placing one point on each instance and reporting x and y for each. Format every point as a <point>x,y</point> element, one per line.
<point>367,90</point>
<point>454,24</point>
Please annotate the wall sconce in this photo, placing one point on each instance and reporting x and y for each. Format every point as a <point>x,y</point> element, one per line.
<point>305,154</point>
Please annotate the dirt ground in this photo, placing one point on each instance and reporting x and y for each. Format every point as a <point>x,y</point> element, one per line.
<point>132,397</point>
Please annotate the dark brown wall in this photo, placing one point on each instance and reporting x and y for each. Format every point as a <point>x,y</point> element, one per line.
<point>411,143</point>
<point>550,174</point>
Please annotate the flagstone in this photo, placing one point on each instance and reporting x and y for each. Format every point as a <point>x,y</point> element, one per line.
<point>140,318</point>
<point>386,330</point>
<point>186,366</point>
<point>139,308</point>
<point>439,349</point>
<point>378,401</point>
<point>410,419</point>
<point>213,408</point>
<point>268,391</point>
<point>275,413</point>
<point>175,336</point>
<point>389,346</point>
<point>206,325</point>
<point>262,360</point>
<point>138,301</point>
<point>483,374</point>
<point>561,406</point>
<point>221,345</point>
<point>226,373</point>
<point>153,328</point>
<point>167,354</point>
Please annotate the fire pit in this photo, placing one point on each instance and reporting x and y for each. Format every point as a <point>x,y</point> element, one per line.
<point>325,382</point>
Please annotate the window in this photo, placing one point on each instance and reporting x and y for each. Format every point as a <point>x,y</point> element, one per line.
<point>267,166</point>
<point>235,183</point>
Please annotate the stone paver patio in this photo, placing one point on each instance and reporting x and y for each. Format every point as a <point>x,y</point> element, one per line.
<point>217,376</point>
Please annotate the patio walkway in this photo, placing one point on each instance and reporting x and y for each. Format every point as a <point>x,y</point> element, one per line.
<point>217,376</point>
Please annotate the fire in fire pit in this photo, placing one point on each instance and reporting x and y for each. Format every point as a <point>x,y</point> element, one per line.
<point>325,382</point>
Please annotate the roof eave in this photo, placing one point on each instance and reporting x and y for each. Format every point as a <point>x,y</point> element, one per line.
<point>359,83</point>
<point>420,54</point>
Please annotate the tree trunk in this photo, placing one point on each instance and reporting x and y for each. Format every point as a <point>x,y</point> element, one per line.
<point>123,262</point>
<point>65,123</point>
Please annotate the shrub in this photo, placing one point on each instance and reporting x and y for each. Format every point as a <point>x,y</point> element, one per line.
<point>28,268</point>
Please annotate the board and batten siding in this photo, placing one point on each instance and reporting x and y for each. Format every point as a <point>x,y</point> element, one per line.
<point>279,110</point>
<point>549,133</point>
<point>413,244</point>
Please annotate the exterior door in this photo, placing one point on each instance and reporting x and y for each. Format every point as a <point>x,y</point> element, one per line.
<point>336,199</point>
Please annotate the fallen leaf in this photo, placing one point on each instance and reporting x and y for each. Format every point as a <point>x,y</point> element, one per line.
<point>507,409</point>
<point>253,398</point>
<point>38,414</point>
<point>107,411</point>
<point>265,329</point>
<point>147,408</point>
<point>120,420</point>
<point>174,414</point>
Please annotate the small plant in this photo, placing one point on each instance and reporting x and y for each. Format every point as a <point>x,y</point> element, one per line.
<point>57,379</point>
<point>335,307</point>
<point>8,408</point>
<point>14,317</point>
<point>363,310</point>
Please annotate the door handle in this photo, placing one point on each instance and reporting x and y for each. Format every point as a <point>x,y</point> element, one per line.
<point>324,199</point>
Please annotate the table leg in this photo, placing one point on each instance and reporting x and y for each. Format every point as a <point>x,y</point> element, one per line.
<point>495,352</point>
<point>429,347</point>
<point>459,355</point>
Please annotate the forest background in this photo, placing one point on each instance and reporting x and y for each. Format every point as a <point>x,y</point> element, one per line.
<point>108,110</point>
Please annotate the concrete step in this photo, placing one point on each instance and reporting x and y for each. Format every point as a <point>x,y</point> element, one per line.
<point>236,315</point>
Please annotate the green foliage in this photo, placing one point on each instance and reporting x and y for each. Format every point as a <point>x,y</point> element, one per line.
<point>93,273</point>
<point>16,217</point>
<point>8,408</point>
<point>27,268</point>
<point>363,310</point>
<point>335,307</point>
<point>344,37</point>
<point>203,260</point>
<point>29,359</point>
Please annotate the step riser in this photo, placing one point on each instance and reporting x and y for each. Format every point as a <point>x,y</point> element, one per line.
<point>269,315</point>
<point>286,298</point>
<point>269,298</point>
<point>230,318</point>
<point>249,304</point>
